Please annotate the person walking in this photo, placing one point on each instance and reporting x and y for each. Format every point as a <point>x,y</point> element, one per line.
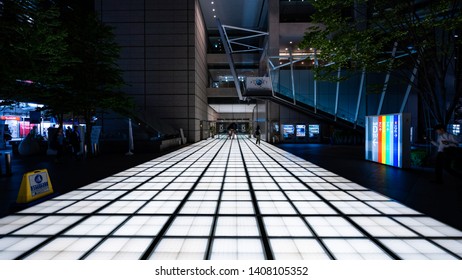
<point>443,141</point>
<point>232,131</point>
<point>75,142</point>
<point>58,140</point>
<point>258,134</point>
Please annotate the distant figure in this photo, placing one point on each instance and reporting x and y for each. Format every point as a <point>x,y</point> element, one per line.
<point>258,135</point>
<point>232,130</point>
<point>68,132</point>
<point>75,141</point>
<point>34,131</point>
<point>443,142</point>
<point>31,144</point>
<point>58,143</point>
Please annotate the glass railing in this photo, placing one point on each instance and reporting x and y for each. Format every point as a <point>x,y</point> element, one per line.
<point>304,99</point>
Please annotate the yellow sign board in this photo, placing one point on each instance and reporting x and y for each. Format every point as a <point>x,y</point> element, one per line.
<point>34,185</point>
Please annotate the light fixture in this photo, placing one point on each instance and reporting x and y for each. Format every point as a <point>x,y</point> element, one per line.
<point>212,2</point>
<point>290,42</point>
<point>213,10</point>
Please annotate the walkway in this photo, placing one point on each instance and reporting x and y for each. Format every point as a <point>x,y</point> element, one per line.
<point>225,199</point>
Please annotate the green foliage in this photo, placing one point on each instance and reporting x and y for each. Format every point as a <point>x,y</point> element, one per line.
<point>96,76</point>
<point>66,51</point>
<point>418,157</point>
<point>360,34</point>
<point>32,48</point>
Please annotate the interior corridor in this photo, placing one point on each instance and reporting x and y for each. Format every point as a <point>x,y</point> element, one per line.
<point>225,199</point>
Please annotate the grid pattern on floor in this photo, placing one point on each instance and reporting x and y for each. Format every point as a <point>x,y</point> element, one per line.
<point>225,199</point>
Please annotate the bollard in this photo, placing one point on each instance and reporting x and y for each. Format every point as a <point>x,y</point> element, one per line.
<point>8,164</point>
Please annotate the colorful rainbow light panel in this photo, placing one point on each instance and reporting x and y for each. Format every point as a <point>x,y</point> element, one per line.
<point>384,139</point>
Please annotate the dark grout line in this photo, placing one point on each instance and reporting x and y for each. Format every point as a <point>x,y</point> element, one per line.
<point>261,225</point>
<point>173,216</point>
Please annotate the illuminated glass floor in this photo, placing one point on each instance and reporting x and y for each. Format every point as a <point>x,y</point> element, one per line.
<point>225,199</point>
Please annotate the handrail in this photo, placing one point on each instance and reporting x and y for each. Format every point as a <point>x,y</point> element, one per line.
<point>307,101</point>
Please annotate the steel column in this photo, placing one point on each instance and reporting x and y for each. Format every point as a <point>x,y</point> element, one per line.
<point>409,86</point>
<point>225,41</point>
<point>360,95</point>
<point>387,78</point>
<point>337,91</point>
<point>316,64</point>
<point>292,74</point>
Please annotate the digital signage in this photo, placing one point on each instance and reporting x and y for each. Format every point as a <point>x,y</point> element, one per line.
<point>301,130</point>
<point>313,129</point>
<point>287,130</point>
<point>388,139</point>
<point>455,129</point>
<point>258,86</point>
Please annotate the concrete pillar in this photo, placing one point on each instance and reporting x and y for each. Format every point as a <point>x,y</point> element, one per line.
<point>273,28</point>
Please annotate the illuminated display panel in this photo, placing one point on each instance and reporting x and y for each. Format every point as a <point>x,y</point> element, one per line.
<point>301,130</point>
<point>455,129</point>
<point>313,131</point>
<point>387,139</point>
<point>288,130</point>
<point>313,128</point>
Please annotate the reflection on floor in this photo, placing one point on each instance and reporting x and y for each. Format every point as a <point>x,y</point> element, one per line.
<point>225,199</point>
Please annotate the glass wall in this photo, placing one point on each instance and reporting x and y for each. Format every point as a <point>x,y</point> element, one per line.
<point>323,94</point>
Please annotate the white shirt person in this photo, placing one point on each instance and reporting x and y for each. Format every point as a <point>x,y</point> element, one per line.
<point>444,140</point>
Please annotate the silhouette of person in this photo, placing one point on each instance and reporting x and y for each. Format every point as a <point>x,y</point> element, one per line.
<point>258,134</point>
<point>443,141</point>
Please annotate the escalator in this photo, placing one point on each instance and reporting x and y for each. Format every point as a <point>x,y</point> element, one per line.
<point>284,96</point>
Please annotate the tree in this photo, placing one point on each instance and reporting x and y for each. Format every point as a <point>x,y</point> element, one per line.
<point>358,34</point>
<point>33,50</point>
<point>97,77</point>
<point>58,53</point>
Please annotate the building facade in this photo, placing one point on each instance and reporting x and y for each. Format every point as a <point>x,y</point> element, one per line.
<point>163,59</point>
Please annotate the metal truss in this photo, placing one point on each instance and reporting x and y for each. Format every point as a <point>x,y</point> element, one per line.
<point>238,40</point>
<point>228,45</point>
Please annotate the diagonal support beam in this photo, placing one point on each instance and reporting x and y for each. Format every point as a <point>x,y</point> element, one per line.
<point>250,47</point>
<point>226,45</point>
<point>285,64</point>
<point>360,94</point>
<point>235,41</point>
<point>409,86</point>
<point>387,79</point>
<point>337,92</point>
